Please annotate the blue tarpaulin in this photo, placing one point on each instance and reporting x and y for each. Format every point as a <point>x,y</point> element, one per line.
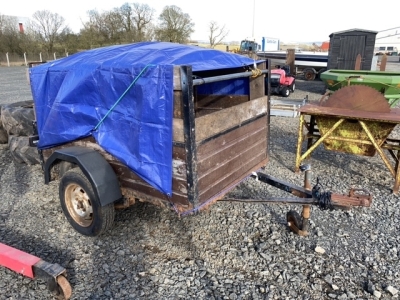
<point>123,97</point>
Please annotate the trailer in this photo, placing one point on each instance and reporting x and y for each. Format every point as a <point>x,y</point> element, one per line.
<point>307,63</point>
<point>174,125</point>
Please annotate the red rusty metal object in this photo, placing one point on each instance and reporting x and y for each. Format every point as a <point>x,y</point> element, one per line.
<point>358,97</point>
<point>356,197</point>
<point>34,267</point>
<point>391,117</point>
<point>17,260</point>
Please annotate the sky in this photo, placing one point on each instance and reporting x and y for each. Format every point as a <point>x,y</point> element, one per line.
<point>289,21</point>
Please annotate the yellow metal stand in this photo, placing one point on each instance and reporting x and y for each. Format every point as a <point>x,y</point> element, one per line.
<point>314,138</point>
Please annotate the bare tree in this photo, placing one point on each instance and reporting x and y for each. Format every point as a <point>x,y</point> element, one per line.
<point>114,26</point>
<point>48,26</point>
<point>95,31</point>
<point>142,17</point>
<point>127,15</point>
<point>126,24</point>
<point>217,33</point>
<point>175,25</point>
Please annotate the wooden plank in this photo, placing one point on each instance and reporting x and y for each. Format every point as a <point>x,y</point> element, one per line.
<point>206,104</point>
<point>312,109</point>
<point>229,182</point>
<point>148,194</point>
<point>209,125</point>
<point>177,79</point>
<point>382,65</point>
<point>224,155</point>
<point>178,105</point>
<point>208,148</point>
<point>243,160</point>
<point>177,130</point>
<point>178,178</point>
<point>257,84</point>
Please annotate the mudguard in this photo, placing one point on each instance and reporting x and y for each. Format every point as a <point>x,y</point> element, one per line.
<point>94,166</point>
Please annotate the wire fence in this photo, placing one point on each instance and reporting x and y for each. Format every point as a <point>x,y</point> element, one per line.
<point>13,59</point>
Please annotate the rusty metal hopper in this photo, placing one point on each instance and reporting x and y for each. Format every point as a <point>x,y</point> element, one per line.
<point>350,137</point>
<point>355,120</point>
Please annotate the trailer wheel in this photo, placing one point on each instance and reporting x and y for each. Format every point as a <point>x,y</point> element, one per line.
<point>82,207</point>
<point>293,218</point>
<point>309,74</point>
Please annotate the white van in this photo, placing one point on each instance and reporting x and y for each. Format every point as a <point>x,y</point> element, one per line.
<point>388,50</point>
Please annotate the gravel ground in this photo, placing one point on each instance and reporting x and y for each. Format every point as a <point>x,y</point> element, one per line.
<point>232,251</point>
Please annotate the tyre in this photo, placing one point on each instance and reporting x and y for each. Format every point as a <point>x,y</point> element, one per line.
<point>285,92</point>
<point>320,72</point>
<point>17,118</point>
<point>293,86</point>
<point>309,74</point>
<point>21,152</point>
<point>81,206</point>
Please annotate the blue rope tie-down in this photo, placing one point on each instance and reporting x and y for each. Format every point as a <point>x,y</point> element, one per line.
<point>122,96</point>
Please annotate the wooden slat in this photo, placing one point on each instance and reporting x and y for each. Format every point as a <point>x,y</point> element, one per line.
<point>177,79</point>
<point>178,179</point>
<point>257,84</point>
<point>243,160</point>
<point>229,182</point>
<point>229,157</point>
<point>149,192</point>
<point>177,128</point>
<point>207,104</point>
<point>178,105</point>
<point>209,125</point>
<point>224,155</point>
<point>209,147</point>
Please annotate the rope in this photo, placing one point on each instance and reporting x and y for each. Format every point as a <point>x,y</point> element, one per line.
<point>323,198</point>
<point>256,72</point>
<point>122,96</point>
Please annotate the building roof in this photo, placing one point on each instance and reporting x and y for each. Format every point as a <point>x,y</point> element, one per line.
<point>352,30</point>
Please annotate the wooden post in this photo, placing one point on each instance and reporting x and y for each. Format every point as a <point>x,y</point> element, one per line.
<point>290,58</point>
<point>358,63</point>
<point>382,66</point>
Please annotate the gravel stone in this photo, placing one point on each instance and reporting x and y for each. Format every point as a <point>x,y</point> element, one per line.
<point>377,294</point>
<point>220,253</point>
<point>391,290</point>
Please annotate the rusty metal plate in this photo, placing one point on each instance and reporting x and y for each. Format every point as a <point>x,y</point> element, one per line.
<point>358,97</point>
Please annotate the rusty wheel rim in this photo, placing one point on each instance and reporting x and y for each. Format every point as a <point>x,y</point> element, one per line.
<point>309,75</point>
<point>79,205</point>
<point>65,287</point>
